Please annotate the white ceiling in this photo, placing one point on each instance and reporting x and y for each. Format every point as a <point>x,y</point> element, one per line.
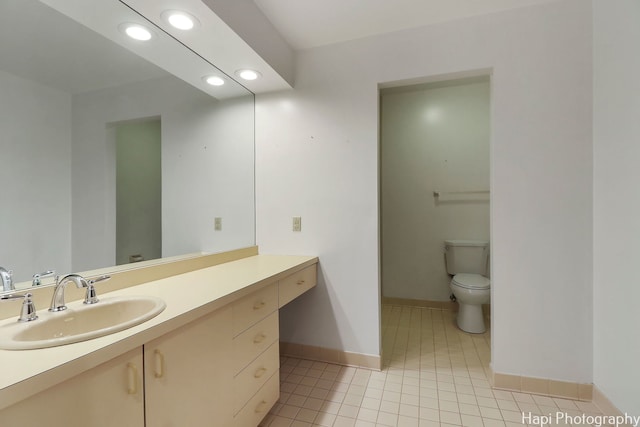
<point>77,60</point>
<point>311,23</point>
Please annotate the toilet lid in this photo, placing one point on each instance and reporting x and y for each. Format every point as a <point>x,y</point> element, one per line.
<point>471,281</point>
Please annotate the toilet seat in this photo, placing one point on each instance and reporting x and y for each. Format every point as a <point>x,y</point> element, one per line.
<point>471,281</point>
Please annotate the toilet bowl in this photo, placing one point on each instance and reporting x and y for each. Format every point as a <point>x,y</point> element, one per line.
<point>471,291</point>
<point>467,263</point>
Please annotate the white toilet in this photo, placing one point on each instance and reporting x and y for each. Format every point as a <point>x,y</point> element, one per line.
<point>467,262</point>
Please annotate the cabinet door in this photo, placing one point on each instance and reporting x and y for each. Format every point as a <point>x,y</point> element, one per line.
<point>108,395</point>
<point>189,374</point>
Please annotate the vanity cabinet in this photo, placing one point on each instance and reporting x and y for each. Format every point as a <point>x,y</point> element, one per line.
<point>221,369</point>
<point>187,374</point>
<point>111,394</point>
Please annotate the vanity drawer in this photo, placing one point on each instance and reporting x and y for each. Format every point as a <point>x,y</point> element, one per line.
<point>296,284</point>
<point>249,344</point>
<point>253,308</point>
<point>254,376</point>
<point>260,404</point>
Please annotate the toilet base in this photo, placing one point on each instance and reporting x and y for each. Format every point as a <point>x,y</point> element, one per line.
<point>470,318</point>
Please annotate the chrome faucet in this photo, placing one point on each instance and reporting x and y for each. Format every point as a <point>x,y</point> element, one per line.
<point>28,310</point>
<point>57,302</point>
<point>7,279</point>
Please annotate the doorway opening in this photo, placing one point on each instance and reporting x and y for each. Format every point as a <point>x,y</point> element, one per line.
<point>138,191</point>
<point>434,186</point>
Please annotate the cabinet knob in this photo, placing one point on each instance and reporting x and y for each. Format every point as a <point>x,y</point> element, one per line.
<point>259,305</point>
<point>262,406</point>
<point>259,338</point>
<point>260,372</point>
<point>300,282</point>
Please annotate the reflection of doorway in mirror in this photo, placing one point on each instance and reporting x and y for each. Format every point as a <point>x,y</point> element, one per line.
<point>138,191</point>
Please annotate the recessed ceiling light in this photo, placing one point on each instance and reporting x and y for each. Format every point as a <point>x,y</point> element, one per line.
<point>213,80</point>
<point>247,74</point>
<point>136,31</point>
<point>180,20</point>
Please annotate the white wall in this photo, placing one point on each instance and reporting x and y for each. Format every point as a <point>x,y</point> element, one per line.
<point>317,157</point>
<point>35,147</point>
<point>432,137</point>
<point>616,201</point>
<point>207,168</point>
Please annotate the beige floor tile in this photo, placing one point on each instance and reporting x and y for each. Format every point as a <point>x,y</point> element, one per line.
<point>390,407</point>
<point>404,421</point>
<point>387,419</point>
<point>368,415</point>
<point>471,421</point>
<point>307,415</point>
<point>348,411</point>
<point>343,422</point>
<point>469,409</point>
<point>450,418</point>
<point>434,375</point>
<point>324,419</point>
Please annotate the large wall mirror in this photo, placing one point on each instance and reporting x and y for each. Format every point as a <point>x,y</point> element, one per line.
<point>110,156</point>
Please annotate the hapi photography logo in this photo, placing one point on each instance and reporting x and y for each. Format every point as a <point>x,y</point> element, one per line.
<point>563,418</point>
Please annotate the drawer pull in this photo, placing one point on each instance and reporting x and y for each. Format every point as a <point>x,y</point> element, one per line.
<point>158,370</point>
<point>262,406</point>
<point>259,305</point>
<point>132,387</point>
<point>259,338</point>
<point>260,372</point>
<point>300,282</point>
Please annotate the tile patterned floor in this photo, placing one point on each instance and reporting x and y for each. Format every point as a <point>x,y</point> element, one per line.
<point>433,375</point>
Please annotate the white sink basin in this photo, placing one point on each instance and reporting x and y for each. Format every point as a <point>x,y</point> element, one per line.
<point>80,322</point>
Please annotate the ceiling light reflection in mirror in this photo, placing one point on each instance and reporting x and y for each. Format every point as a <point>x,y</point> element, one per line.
<point>180,20</point>
<point>136,31</point>
<point>107,17</point>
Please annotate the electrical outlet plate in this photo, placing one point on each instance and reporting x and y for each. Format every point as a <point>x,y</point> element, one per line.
<point>217,223</point>
<point>297,223</point>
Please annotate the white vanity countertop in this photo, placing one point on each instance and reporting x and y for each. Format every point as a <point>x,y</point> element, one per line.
<point>188,296</point>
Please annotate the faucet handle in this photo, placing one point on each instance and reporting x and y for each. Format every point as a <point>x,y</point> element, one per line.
<point>36,277</point>
<point>98,279</point>
<point>28,310</point>
<point>6,279</point>
<point>91,297</point>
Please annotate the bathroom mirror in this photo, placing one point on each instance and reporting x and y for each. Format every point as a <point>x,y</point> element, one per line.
<point>75,104</point>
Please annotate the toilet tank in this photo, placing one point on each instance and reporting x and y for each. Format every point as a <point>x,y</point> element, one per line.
<point>466,256</point>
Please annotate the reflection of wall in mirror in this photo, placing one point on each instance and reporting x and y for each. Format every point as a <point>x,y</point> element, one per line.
<point>207,168</point>
<point>59,162</point>
<point>35,177</point>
